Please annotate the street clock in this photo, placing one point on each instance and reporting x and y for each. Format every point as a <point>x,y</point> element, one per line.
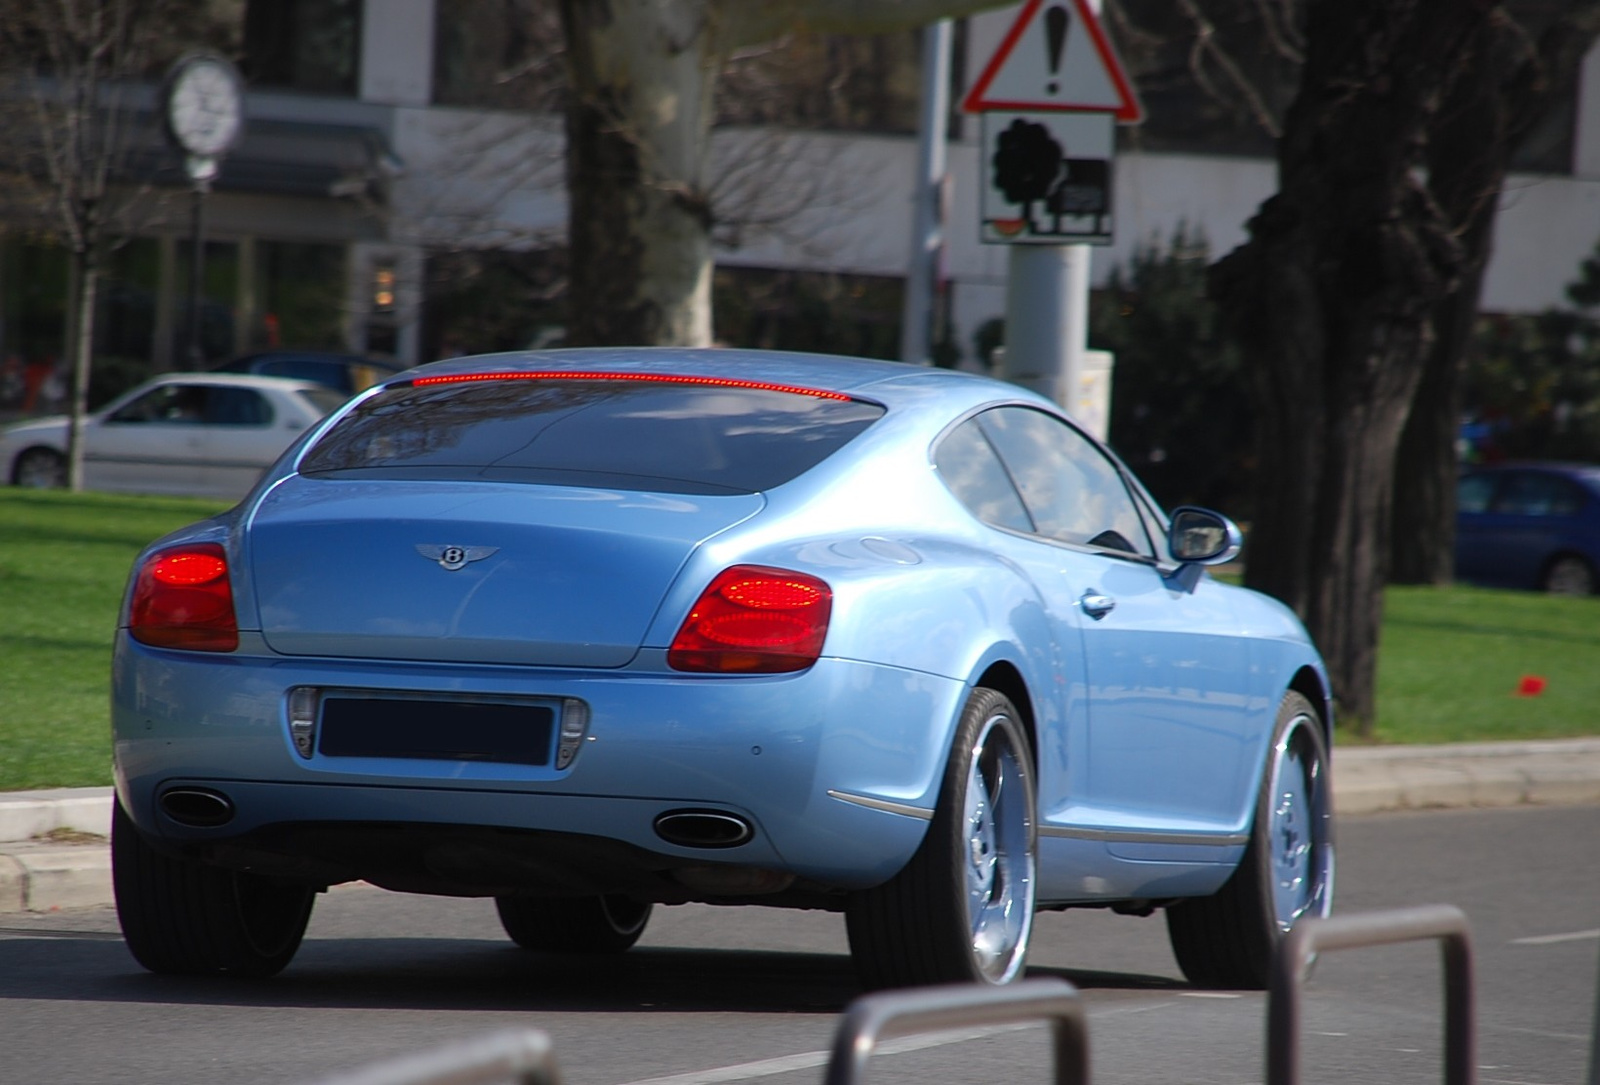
<point>203,105</point>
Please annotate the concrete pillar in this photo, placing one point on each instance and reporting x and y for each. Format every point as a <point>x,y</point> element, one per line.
<point>397,52</point>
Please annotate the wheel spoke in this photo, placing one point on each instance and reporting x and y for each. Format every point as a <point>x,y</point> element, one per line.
<point>1299,851</point>
<point>1000,880</point>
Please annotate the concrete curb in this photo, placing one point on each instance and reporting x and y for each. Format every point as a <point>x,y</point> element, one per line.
<point>41,871</point>
<point>1558,772</point>
<point>42,867</point>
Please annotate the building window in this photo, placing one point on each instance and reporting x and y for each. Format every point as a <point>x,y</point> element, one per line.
<point>299,299</point>
<point>498,54</point>
<point>305,45</point>
<point>826,312</point>
<point>854,83</point>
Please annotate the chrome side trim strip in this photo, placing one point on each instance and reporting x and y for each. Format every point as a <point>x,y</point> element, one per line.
<point>883,804</point>
<point>1126,836</point>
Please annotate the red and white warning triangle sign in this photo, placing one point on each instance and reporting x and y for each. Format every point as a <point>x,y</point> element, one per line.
<point>1055,57</point>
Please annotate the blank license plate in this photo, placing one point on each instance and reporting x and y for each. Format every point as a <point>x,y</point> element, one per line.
<point>435,730</point>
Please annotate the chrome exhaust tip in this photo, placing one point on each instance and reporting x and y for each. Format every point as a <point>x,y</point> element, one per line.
<point>199,807</point>
<point>703,829</point>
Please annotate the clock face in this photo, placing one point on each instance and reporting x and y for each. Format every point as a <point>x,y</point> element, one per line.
<point>203,107</point>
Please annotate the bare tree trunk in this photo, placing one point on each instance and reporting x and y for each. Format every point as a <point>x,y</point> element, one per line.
<point>641,75</point>
<point>1493,103</point>
<point>1331,299</point>
<point>638,136</point>
<point>1422,543</point>
<point>86,278</point>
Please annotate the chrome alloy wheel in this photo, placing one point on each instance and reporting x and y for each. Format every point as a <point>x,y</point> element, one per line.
<point>1300,830</point>
<point>999,862</point>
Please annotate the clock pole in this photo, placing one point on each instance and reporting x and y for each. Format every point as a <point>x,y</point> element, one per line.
<point>203,105</point>
<point>200,171</point>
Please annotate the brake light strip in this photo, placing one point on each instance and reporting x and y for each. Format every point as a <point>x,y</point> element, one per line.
<point>657,378</point>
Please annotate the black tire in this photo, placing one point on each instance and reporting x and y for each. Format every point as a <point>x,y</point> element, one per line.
<point>1227,940</point>
<point>40,469</point>
<point>181,917</point>
<point>961,911</point>
<point>1569,574</point>
<point>609,924</point>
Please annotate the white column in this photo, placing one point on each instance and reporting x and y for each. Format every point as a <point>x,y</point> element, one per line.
<point>397,51</point>
<point>927,220</point>
<point>1586,126</point>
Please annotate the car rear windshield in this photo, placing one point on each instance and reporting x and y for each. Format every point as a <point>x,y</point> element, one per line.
<point>606,433</point>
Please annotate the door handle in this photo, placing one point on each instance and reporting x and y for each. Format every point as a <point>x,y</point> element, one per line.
<point>1097,606</point>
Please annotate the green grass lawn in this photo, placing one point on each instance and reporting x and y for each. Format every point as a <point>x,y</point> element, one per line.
<point>1452,660</point>
<point>63,561</point>
<point>1449,667</point>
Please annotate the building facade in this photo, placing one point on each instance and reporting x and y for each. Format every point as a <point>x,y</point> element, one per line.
<point>399,191</point>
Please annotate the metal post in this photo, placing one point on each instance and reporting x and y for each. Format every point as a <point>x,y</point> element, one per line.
<point>523,1056</point>
<point>201,171</point>
<point>872,1018</point>
<point>927,225</point>
<point>1310,936</point>
<point>1047,320</point>
<point>1594,1041</point>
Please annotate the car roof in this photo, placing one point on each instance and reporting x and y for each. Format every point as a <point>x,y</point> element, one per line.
<point>332,357</point>
<point>258,380</point>
<point>1586,475</point>
<point>229,380</point>
<point>895,384</point>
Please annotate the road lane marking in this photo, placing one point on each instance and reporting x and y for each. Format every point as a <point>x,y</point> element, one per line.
<point>1552,939</point>
<point>809,1060</point>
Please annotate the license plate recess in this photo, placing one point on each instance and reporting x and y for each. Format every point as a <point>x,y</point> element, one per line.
<point>431,729</point>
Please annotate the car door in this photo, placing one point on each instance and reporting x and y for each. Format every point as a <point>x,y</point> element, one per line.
<point>150,444</point>
<point>1528,519</point>
<point>1170,734</point>
<point>1476,555</point>
<point>242,435</point>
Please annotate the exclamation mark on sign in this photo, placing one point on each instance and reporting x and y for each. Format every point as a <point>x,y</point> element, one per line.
<point>1055,41</point>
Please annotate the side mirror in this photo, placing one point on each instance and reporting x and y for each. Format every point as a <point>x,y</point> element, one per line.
<point>1202,537</point>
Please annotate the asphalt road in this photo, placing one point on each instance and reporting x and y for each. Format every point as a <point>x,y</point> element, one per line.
<point>758,990</point>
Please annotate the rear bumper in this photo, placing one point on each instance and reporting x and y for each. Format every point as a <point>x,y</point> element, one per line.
<point>766,750</point>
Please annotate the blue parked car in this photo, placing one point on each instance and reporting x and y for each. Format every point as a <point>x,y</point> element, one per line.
<point>589,631</point>
<point>1530,525</point>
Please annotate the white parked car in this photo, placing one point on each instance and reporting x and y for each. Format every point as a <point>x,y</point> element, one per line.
<point>198,434</point>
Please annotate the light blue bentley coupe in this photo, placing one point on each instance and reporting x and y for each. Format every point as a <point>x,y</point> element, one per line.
<point>588,631</point>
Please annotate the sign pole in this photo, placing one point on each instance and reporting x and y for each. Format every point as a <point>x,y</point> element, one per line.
<point>1050,98</point>
<point>1047,320</point>
<point>927,227</point>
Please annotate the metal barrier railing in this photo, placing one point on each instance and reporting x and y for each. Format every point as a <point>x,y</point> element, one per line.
<point>873,1018</point>
<point>1310,936</point>
<point>522,1056</point>
<point>525,1056</point>
<point>1594,1041</point>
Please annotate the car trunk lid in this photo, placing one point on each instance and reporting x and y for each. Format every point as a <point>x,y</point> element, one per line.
<point>498,573</point>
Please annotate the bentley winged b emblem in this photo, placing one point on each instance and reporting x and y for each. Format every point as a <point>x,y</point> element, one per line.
<point>454,557</point>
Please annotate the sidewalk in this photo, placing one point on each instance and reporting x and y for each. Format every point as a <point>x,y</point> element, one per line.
<point>53,851</point>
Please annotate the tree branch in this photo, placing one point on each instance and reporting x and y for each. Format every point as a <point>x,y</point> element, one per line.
<point>751,22</point>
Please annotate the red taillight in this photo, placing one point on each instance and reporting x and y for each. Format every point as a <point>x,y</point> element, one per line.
<point>754,620</point>
<point>182,599</point>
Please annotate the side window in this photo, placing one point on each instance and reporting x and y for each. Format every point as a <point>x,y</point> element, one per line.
<point>1072,491</point>
<point>1538,495</point>
<point>1155,521</point>
<point>172,403</point>
<point>969,466</point>
<point>237,407</point>
<point>1473,493</point>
